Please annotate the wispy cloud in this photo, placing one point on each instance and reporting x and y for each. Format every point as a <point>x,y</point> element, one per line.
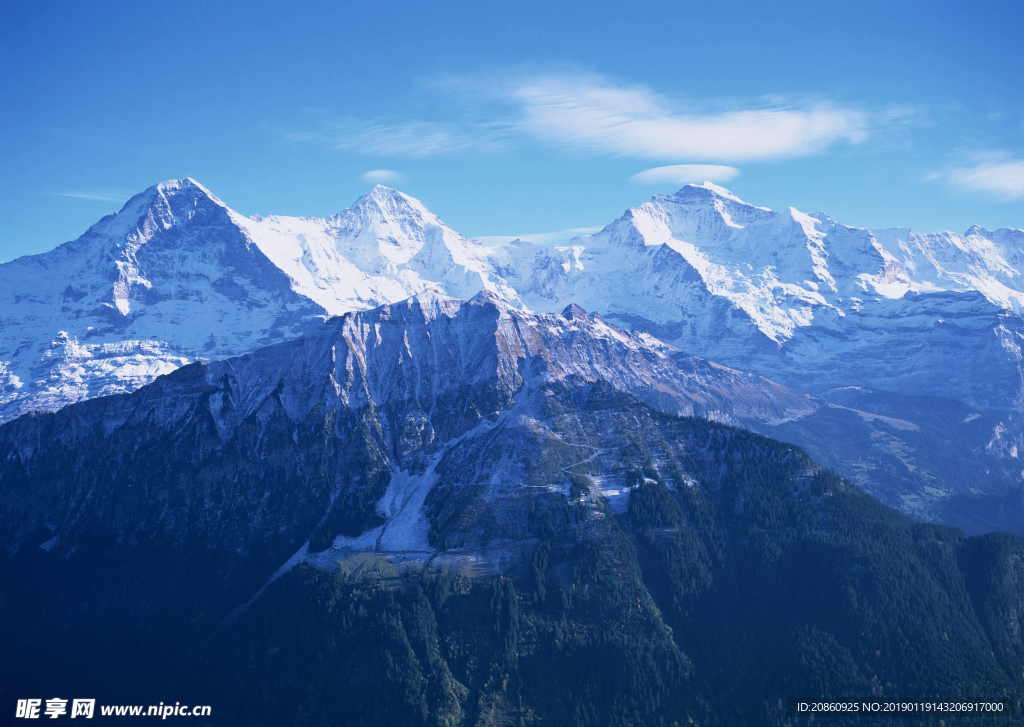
<point>539,238</point>
<point>407,138</point>
<point>593,114</point>
<point>383,176</point>
<point>98,195</point>
<point>995,173</point>
<point>590,114</point>
<point>686,174</point>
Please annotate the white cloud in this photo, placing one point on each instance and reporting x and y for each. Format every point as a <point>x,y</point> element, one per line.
<point>539,238</point>
<point>685,174</point>
<point>382,176</point>
<point>996,173</point>
<point>592,114</point>
<point>99,195</point>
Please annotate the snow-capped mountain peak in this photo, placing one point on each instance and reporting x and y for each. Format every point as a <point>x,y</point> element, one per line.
<point>387,246</point>
<point>161,206</point>
<point>388,222</point>
<point>386,199</point>
<point>169,278</point>
<point>719,191</point>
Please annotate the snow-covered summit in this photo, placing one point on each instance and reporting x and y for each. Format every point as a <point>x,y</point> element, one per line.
<point>163,205</point>
<point>386,247</point>
<point>169,278</point>
<point>386,220</point>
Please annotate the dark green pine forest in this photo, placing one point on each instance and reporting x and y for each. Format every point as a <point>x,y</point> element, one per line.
<point>740,575</point>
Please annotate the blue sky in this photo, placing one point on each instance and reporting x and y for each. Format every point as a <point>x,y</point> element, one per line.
<point>512,118</point>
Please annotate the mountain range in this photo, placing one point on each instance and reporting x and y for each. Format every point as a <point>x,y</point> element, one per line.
<point>808,302</point>
<point>910,343</point>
